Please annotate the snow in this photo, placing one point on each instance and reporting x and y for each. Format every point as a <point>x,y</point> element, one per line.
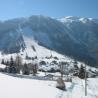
<point>92,87</point>
<point>15,87</point>
<point>70,19</point>
<point>29,40</point>
<point>40,51</point>
<point>2,66</point>
<point>12,87</point>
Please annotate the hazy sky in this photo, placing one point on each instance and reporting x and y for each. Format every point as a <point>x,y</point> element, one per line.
<point>54,8</point>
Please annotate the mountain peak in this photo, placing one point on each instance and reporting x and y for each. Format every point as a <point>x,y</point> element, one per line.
<point>76,18</point>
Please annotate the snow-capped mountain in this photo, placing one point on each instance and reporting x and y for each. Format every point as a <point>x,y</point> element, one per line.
<point>73,36</point>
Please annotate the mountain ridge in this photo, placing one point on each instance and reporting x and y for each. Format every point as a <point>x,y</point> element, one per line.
<point>74,37</point>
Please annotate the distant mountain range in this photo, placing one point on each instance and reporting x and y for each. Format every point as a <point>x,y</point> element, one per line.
<point>75,37</point>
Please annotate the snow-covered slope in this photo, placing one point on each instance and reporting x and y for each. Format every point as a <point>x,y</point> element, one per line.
<point>67,36</point>
<point>32,47</point>
<point>13,87</point>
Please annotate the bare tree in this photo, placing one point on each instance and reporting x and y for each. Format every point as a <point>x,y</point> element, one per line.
<point>35,68</point>
<point>62,66</point>
<point>18,63</point>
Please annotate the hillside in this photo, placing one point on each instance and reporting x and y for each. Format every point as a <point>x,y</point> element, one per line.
<point>75,37</point>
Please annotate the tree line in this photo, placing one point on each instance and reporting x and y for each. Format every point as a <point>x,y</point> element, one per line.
<point>16,66</point>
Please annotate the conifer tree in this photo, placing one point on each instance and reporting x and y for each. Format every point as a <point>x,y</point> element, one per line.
<point>2,62</point>
<point>12,68</point>
<point>26,69</point>
<point>82,72</point>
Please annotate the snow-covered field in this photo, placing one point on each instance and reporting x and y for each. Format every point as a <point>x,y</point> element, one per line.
<point>37,87</point>
<point>14,87</point>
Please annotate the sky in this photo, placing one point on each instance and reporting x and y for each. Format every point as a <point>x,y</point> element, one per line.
<point>54,8</point>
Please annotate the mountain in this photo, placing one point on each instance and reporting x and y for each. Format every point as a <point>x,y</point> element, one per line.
<point>75,37</point>
<point>85,32</point>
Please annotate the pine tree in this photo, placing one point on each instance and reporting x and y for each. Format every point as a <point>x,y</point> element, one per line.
<point>26,69</point>
<point>82,72</point>
<point>2,62</point>
<point>12,68</point>
<point>7,63</point>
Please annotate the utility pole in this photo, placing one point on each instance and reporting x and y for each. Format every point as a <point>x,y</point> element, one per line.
<point>85,81</point>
